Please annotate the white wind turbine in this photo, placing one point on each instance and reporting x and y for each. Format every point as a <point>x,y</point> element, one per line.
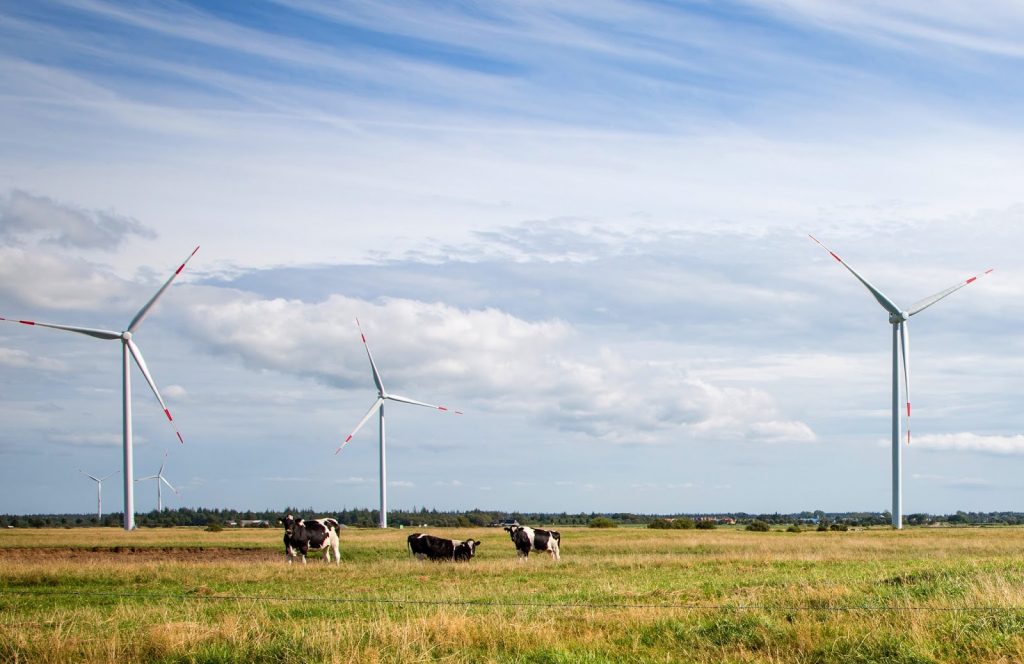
<point>898,318</point>
<point>128,348</point>
<point>378,405</point>
<point>160,479</point>
<point>99,491</point>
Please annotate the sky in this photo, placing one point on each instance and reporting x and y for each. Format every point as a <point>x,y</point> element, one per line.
<point>583,224</point>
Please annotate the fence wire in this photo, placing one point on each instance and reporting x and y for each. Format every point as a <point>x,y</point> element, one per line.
<point>495,604</point>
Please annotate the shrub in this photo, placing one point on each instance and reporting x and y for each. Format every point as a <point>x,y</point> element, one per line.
<point>839,527</point>
<point>660,524</point>
<point>758,526</point>
<point>214,527</point>
<point>794,529</point>
<point>823,526</point>
<point>706,525</point>
<point>602,522</point>
<point>682,523</point>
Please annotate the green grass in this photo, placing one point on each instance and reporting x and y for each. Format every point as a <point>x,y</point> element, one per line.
<point>186,595</point>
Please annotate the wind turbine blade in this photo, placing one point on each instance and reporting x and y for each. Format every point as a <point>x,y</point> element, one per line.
<point>920,306</point>
<point>149,477</point>
<point>886,303</point>
<point>137,354</point>
<point>373,365</point>
<point>149,305</point>
<point>164,480</point>
<point>94,479</point>
<point>91,331</point>
<point>905,352</point>
<point>395,397</point>
<point>375,406</point>
<point>109,476</point>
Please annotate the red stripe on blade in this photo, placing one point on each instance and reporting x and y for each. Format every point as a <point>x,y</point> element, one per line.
<point>836,257</point>
<point>27,322</point>
<point>168,414</point>
<point>441,408</point>
<point>972,279</point>
<point>180,439</point>
<point>908,409</point>
<point>348,439</point>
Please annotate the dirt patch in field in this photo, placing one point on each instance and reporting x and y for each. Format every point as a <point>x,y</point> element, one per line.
<point>142,554</point>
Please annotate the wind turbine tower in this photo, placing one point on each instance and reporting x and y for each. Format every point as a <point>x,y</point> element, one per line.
<point>899,319</point>
<point>378,406</point>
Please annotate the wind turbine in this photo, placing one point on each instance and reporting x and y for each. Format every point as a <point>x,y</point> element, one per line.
<point>159,477</point>
<point>898,318</point>
<point>99,491</point>
<point>378,405</point>
<point>128,348</point>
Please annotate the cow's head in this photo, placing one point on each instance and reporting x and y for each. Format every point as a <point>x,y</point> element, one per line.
<point>290,522</point>
<point>465,550</point>
<point>512,530</point>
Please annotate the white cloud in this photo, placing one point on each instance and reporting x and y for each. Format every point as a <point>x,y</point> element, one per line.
<point>487,359</point>
<point>972,442</point>
<point>26,217</point>
<point>19,359</point>
<point>175,392</point>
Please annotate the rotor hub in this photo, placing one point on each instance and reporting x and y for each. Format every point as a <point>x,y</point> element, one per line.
<point>126,335</point>
<point>898,318</point>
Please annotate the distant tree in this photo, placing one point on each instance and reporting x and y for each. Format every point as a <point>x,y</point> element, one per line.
<point>706,524</point>
<point>794,529</point>
<point>757,525</point>
<point>660,524</point>
<point>682,523</point>
<point>602,522</point>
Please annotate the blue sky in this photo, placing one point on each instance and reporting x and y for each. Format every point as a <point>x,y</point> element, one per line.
<point>585,225</point>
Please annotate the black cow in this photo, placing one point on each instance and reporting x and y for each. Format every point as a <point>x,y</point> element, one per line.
<point>300,536</point>
<point>529,539</point>
<point>437,548</point>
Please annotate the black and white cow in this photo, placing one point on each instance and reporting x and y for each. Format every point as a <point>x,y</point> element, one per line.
<point>300,536</point>
<point>529,539</point>
<point>437,548</point>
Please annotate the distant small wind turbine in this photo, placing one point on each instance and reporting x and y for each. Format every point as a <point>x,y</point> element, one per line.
<point>378,405</point>
<point>99,491</point>
<point>128,348</point>
<point>159,477</point>
<point>900,339</point>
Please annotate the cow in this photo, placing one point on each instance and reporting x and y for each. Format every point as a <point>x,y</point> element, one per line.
<point>300,536</point>
<point>535,539</point>
<point>436,548</point>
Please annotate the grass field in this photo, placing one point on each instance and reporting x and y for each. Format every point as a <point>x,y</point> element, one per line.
<point>636,595</point>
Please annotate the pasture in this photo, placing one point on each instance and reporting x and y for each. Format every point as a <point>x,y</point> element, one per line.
<point>622,595</point>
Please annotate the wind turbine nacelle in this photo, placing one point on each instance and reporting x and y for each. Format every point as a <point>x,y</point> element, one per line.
<point>126,335</point>
<point>898,318</point>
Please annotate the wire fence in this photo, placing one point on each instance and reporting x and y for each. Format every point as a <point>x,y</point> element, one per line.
<point>512,604</point>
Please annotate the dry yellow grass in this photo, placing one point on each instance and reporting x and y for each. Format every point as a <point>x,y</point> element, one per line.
<point>928,595</point>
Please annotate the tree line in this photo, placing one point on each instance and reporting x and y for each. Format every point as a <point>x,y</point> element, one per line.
<point>424,517</point>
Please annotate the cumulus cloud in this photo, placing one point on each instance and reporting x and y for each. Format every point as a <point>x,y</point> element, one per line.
<point>972,442</point>
<point>28,218</point>
<point>57,281</point>
<point>19,359</point>
<point>486,359</point>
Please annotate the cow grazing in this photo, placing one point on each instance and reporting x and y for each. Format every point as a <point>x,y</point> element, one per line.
<point>300,536</point>
<point>529,539</point>
<point>437,548</point>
